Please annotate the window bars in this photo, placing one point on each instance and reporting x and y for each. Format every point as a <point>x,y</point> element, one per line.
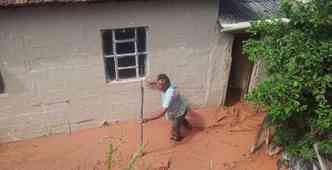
<point>125,55</point>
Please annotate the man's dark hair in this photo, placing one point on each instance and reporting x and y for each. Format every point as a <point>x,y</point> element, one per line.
<point>164,77</point>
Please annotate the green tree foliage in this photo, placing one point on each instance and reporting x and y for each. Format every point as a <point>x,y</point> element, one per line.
<point>297,91</point>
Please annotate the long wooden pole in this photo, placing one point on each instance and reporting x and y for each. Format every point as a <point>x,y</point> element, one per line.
<point>142,110</point>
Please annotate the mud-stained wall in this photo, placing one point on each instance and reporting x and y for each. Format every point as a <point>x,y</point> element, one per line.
<point>52,63</point>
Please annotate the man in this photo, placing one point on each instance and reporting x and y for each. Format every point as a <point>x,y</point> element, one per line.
<point>174,106</point>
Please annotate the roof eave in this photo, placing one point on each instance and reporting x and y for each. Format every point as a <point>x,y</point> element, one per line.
<point>234,27</point>
<point>240,26</point>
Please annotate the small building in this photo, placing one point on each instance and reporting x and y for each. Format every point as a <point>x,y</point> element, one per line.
<point>234,19</point>
<point>71,64</point>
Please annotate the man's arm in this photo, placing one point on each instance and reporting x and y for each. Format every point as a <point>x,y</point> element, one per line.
<point>161,114</point>
<point>151,83</point>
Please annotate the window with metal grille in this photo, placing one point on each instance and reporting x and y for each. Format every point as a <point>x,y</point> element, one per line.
<point>124,53</point>
<point>2,84</point>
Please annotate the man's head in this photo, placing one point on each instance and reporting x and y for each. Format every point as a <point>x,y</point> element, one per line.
<point>163,82</point>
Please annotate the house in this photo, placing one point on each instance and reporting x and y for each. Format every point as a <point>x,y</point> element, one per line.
<point>70,64</point>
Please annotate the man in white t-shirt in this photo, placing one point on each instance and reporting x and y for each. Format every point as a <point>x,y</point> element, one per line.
<point>174,106</point>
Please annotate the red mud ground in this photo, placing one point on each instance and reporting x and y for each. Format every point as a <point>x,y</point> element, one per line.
<point>222,144</point>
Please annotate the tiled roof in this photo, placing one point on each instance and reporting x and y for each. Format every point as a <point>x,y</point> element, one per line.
<point>234,11</point>
<point>8,3</point>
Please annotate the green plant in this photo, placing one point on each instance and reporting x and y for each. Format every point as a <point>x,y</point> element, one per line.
<point>135,156</point>
<point>298,60</point>
<point>110,153</point>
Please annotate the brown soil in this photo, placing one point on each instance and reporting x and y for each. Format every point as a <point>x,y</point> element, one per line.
<point>220,141</point>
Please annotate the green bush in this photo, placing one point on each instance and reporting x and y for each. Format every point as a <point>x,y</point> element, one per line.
<point>298,61</point>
